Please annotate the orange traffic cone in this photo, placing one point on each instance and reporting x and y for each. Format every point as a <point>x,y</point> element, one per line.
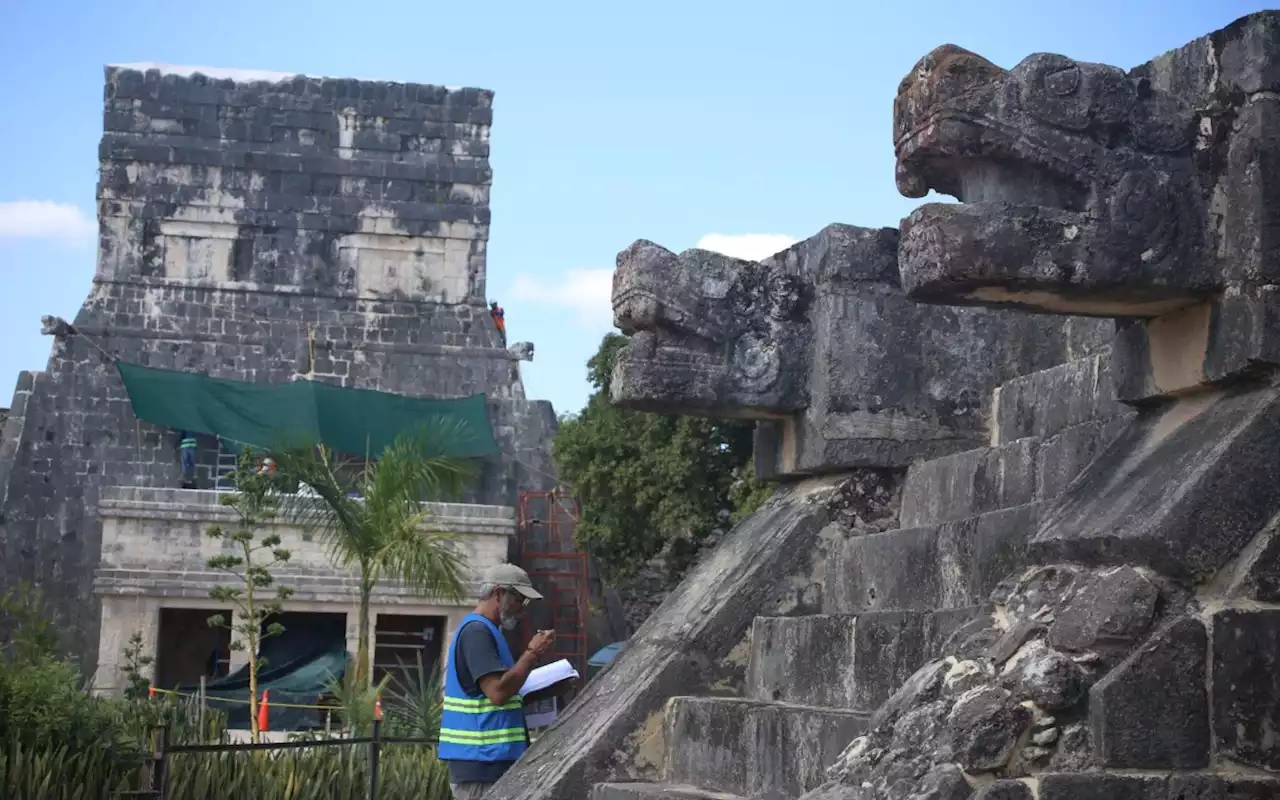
<point>377,708</point>
<point>262,711</point>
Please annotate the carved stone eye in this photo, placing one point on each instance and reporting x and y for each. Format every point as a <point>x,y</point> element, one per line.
<point>1063,82</point>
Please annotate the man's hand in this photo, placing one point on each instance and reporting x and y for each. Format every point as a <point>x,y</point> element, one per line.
<point>542,642</point>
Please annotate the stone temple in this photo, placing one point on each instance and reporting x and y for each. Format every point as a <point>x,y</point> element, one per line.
<point>270,229</point>
<point>1026,538</point>
<point>1026,541</point>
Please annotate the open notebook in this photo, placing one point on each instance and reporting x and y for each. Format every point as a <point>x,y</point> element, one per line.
<point>539,713</point>
<point>550,675</point>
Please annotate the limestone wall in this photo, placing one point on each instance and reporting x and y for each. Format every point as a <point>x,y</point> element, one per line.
<point>276,229</point>
<point>156,541</point>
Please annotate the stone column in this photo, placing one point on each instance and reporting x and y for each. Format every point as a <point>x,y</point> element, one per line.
<point>121,618</point>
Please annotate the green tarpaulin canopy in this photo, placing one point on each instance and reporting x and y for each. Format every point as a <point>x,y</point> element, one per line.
<point>353,421</point>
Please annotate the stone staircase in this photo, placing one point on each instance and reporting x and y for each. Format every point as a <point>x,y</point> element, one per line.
<point>891,600</point>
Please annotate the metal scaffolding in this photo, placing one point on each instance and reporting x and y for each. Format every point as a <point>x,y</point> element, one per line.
<point>545,526</point>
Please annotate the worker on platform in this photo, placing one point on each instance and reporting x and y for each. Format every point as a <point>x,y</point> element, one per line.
<point>499,320</point>
<point>482,729</point>
<point>187,446</point>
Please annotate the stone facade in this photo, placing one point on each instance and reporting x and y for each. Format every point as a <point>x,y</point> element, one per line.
<point>155,547</point>
<point>1083,607</point>
<point>272,229</point>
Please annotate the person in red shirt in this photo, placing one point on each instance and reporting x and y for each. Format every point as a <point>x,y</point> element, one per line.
<point>499,319</point>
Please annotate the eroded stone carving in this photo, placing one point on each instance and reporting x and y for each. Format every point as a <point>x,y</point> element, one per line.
<point>1090,190</point>
<point>1086,189</point>
<point>820,344</point>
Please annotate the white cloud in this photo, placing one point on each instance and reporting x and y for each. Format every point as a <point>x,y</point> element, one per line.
<point>587,293</point>
<point>748,246</point>
<point>44,219</point>
<point>583,292</point>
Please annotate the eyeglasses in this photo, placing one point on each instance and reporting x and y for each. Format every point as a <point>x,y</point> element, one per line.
<point>524,601</point>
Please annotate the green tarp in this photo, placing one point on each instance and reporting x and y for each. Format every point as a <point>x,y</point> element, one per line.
<point>353,421</point>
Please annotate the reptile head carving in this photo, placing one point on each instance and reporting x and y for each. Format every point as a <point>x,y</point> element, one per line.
<point>1080,187</point>
<point>710,334</point>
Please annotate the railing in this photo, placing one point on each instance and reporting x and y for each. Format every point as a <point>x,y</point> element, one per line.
<point>159,761</point>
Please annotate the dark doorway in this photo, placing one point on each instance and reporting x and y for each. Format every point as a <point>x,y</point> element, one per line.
<point>188,649</point>
<point>400,640</point>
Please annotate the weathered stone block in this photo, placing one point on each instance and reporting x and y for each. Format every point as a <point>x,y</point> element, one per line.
<point>1259,575</point>
<point>1222,787</point>
<point>983,729</point>
<point>969,483</point>
<point>955,565</point>
<point>744,746</point>
<point>1066,786</point>
<point>974,555</point>
<point>836,661</point>
<point>1246,686</point>
<point>705,618</point>
<point>1181,490</point>
<point>653,791</point>
<point>1112,607</point>
<point>896,570</point>
<point>1131,729</point>
<point>1061,458</point>
<point>1224,339</point>
<point>1004,790</point>
<point>819,341</point>
<point>1044,403</point>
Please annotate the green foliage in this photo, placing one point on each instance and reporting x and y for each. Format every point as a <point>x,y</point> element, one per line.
<point>59,742</point>
<point>355,700</point>
<point>256,502</point>
<point>136,662</point>
<point>649,483</point>
<point>406,772</point>
<point>33,634</point>
<point>746,494</point>
<point>415,703</point>
<point>370,514</point>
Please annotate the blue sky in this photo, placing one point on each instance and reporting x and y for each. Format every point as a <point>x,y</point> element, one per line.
<point>750,123</point>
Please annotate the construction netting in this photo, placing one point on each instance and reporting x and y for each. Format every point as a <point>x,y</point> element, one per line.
<point>299,669</point>
<point>277,415</point>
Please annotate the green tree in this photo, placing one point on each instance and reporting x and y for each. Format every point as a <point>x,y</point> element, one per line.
<point>250,560</point>
<point>650,482</point>
<point>371,514</point>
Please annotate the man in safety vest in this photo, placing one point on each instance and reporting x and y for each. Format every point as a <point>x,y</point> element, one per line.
<point>482,729</point>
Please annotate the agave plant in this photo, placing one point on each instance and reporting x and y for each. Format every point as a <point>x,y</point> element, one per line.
<point>415,702</point>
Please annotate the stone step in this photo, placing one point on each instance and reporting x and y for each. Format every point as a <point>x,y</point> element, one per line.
<point>843,660</point>
<point>969,483</point>
<point>746,746</point>
<point>1043,403</point>
<point>645,791</point>
<point>953,565</point>
<point>1063,456</point>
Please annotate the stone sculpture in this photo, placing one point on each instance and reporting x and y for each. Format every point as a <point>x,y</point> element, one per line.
<point>1132,649</point>
<point>1138,659</point>
<point>819,343</point>
<point>845,375</point>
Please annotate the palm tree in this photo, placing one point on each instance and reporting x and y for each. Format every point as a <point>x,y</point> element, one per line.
<point>370,514</point>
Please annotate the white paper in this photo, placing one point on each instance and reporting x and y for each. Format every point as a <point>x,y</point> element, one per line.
<point>551,674</point>
<point>541,714</point>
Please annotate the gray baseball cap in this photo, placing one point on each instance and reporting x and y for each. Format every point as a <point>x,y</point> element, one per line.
<point>513,576</point>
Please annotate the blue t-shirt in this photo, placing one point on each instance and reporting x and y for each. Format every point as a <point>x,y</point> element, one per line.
<point>475,657</point>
